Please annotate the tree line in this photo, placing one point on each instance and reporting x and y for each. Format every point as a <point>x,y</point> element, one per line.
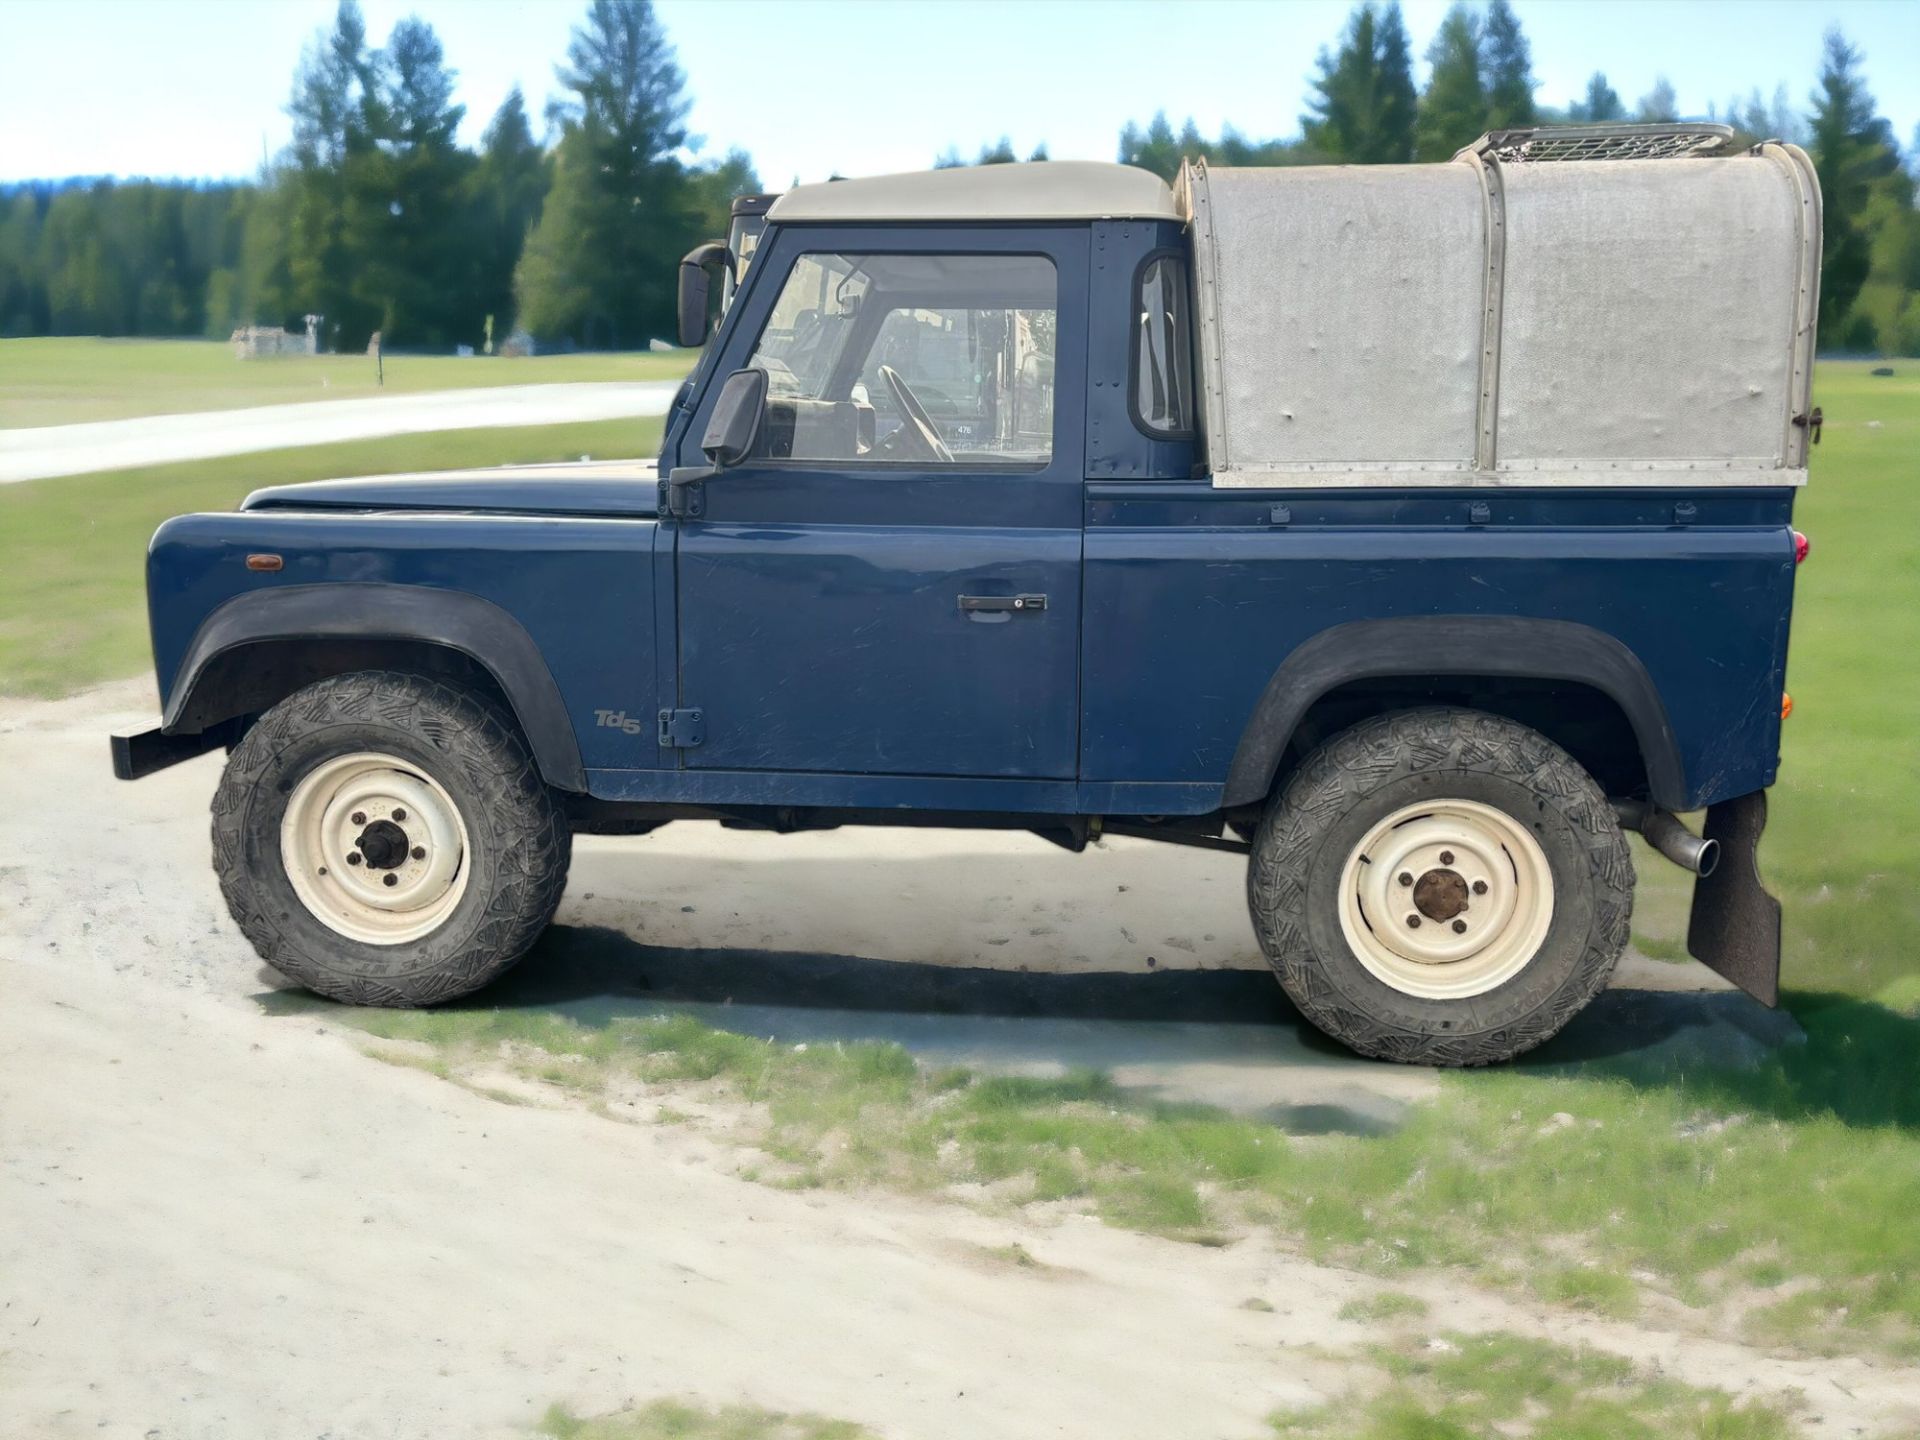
<point>1365,109</point>
<point>377,218</point>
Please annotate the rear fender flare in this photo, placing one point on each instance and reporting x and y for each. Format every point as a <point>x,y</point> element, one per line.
<point>1444,645</point>
<point>476,628</point>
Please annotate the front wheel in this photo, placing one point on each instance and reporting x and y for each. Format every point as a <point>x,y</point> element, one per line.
<point>385,839</point>
<point>1442,887</point>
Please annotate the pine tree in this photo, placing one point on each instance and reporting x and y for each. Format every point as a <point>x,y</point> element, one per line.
<point>1599,106</point>
<point>1154,148</point>
<point>1659,105</point>
<point>1508,63</point>
<point>23,295</point>
<point>415,260</point>
<point>601,265</point>
<point>509,185</point>
<point>716,186</point>
<point>1852,149</point>
<point>332,91</point>
<point>1364,108</point>
<point>1453,111</point>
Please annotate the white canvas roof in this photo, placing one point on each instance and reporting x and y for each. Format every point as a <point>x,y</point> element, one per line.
<point>1037,190</point>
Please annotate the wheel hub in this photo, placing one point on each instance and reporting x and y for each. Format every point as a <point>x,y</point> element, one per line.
<point>1446,899</point>
<point>375,848</point>
<point>1439,894</point>
<point>383,845</point>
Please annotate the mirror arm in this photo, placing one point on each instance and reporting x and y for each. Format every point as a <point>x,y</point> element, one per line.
<point>682,475</point>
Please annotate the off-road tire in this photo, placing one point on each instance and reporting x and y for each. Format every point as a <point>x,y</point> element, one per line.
<point>1371,771</point>
<point>519,842</point>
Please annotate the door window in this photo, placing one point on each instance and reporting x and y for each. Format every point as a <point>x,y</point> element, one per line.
<point>914,359</point>
<point>1162,349</point>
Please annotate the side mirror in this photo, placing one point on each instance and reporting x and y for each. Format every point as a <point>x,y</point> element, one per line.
<point>693,289</point>
<point>737,415</point>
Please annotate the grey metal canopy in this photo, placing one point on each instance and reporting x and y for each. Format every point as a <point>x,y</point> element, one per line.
<point>1636,321</point>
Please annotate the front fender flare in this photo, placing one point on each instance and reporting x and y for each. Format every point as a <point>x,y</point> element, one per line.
<point>348,610</point>
<point>1441,645</point>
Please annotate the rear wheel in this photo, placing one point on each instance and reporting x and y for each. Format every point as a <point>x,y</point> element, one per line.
<point>1441,887</point>
<point>384,839</point>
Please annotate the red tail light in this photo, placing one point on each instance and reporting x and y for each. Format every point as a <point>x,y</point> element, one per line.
<point>1801,545</point>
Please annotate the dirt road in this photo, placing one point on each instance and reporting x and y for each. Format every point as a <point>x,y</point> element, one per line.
<point>37,453</point>
<point>223,1221</point>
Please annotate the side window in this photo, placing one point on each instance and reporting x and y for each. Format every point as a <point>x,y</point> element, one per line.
<point>1162,348</point>
<point>922,359</point>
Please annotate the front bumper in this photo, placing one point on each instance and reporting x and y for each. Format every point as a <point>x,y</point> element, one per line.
<point>137,756</point>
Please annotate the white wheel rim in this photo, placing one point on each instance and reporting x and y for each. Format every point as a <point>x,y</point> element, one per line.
<point>1473,878</point>
<point>374,848</point>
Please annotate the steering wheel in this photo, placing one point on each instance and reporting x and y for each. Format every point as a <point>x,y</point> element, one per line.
<point>925,441</point>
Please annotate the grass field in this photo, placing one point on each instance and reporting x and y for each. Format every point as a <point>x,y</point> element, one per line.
<point>68,381</point>
<point>73,550</point>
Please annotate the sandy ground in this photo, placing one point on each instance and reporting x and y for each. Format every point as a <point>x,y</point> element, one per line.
<point>38,452</point>
<point>219,1221</point>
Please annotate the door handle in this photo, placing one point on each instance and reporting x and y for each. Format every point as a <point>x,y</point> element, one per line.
<point>1021,603</point>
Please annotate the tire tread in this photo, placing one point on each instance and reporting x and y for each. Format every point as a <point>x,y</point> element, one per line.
<point>1338,776</point>
<point>475,738</point>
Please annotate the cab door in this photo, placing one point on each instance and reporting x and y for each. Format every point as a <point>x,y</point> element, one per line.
<point>890,584</point>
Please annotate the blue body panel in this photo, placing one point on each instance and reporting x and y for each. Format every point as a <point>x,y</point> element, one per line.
<point>1199,596</point>
<point>583,589</point>
<point>812,615</point>
<point>843,648</point>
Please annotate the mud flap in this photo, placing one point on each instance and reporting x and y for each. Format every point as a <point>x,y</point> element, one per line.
<point>1735,928</point>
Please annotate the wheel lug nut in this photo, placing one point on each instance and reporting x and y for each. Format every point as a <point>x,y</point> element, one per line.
<point>1413,922</point>
<point>419,852</point>
<point>359,817</point>
<point>391,879</point>
<point>1479,887</point>
<point>1406,878</point>
<point>353,857</point>
<point>1446,857</point>
<point>399,815</point>
<point>1459,927</point>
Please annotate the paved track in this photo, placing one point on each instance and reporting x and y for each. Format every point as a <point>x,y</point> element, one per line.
<point>46,451</point>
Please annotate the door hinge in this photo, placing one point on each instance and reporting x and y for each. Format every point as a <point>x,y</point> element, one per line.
<point>682,495</point>
<point>682,729</point>
<point>1811,423</point>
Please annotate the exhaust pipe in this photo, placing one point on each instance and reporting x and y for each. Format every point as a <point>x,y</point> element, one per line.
<point>1666,834</point>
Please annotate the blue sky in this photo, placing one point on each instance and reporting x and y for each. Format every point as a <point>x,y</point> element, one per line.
<point>810,87</point>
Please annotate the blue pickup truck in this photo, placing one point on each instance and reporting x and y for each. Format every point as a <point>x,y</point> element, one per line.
<point>1414,531</point>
